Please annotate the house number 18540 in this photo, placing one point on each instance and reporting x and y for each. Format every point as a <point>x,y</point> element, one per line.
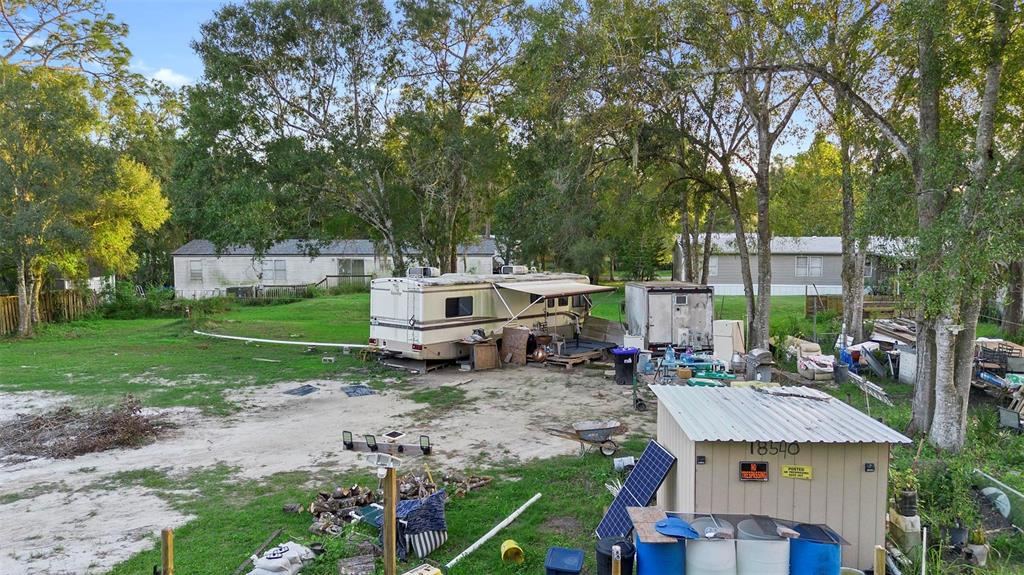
<point>782,448</point>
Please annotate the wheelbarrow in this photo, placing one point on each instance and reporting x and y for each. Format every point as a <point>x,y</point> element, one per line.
<point>592,434</point>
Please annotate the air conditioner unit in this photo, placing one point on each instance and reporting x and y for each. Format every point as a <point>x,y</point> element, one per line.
<point>513,270</point>
<point>422,272</point>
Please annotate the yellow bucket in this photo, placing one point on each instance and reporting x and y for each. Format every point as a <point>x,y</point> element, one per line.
<point>511,552</point>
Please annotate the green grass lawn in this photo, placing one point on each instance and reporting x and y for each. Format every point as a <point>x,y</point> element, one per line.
<point>233,519</point>
<point>165,364</point>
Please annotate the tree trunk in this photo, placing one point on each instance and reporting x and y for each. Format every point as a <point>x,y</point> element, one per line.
<point>760,337</point>
<point>853,311</point>
<point>924,384</point>
<point>709,227</point>
<point>741,247</point>
<point>36,285</point>
<point>954,364</point>
<point>1014,308</point>
<point>24,299</point>
<point>685,240</point>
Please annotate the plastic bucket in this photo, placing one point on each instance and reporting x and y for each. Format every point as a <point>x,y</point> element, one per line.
<point>760,557</point>
<point>511,552</point>
<point>659,558</point>
<point>604,555</point>
<point>810,557</point>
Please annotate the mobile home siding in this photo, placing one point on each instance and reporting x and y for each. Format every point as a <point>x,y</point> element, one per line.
<point>841,493</point>
<point>784,279</point>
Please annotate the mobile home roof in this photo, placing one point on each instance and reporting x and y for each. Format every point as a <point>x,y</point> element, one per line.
<point>790,414</point>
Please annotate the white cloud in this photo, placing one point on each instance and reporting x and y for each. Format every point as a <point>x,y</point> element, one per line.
<point>171,78</point>
<point>165,75</point>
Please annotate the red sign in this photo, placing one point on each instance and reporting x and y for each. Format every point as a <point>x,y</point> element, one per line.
<point>753,471</point>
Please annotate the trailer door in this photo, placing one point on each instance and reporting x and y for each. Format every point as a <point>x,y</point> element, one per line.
<point>659,318</point>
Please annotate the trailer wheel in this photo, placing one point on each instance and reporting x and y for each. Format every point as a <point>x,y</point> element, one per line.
<point>608,448</point>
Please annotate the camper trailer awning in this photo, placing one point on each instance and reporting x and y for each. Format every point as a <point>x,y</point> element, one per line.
<point>554,288</point>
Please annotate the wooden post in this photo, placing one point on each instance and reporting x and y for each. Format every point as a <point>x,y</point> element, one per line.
<point>390,521</point>
<point>879,560</point>
<point>167,551</point>
<point>616,560</point>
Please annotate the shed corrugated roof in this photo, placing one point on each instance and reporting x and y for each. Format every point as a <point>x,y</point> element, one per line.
<point>748,414</point>
<point>485,247</point>
<point>725,243</point>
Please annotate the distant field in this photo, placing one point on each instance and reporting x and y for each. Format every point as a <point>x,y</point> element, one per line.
<point>103,359</point>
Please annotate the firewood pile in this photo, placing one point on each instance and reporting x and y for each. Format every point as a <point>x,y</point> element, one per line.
<point>331,511</point>
<point>462,484</point>
<point>66,432</point>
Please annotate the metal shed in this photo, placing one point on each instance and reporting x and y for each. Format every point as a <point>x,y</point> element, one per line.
<point>791,452</point>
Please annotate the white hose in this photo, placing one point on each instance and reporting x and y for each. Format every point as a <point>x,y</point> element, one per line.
<point>283,342</point>
<point>492,532</point>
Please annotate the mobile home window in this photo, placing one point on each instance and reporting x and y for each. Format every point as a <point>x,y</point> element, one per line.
<point>195,270</point>
<point>274,271</point>
<point>713,266</point>
<point>351,267</point>
<point>867,269</point>
<point>458,306</point>
<point>808,266</point>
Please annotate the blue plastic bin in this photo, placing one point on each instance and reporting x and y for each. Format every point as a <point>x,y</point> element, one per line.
<point>562,561</point>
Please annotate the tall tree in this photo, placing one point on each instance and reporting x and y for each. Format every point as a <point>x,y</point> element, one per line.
<point>286,131</point>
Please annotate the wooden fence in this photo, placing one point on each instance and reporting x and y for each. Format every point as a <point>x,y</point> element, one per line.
<point>875,306</point>
<point>63,305</point>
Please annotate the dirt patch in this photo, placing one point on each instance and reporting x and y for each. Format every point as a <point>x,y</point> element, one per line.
<point>65,432</point>
<point>64,532</point>
<point>562,525</point>
<point>500,419</point>
<point>13,403</point>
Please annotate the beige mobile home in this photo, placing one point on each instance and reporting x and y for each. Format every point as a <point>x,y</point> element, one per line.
<point>818,459</point>
<point>424,318</point>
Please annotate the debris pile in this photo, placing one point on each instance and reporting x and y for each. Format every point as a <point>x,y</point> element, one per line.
<point>333,510</point>
<point>461,485</point>
<point>65,432</point>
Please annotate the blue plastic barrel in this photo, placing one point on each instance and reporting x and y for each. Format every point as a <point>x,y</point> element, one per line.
<point>814,552</point>
<point>660,558</point>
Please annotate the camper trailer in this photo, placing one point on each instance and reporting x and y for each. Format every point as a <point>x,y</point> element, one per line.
<point>670,313</point>
<point>426,316</point>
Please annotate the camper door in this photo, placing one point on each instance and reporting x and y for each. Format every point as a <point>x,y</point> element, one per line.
<point>659,317</point>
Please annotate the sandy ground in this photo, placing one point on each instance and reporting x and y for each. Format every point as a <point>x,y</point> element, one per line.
<point>503,420</point>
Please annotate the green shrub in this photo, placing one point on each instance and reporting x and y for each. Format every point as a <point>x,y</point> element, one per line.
<point>124,301</point>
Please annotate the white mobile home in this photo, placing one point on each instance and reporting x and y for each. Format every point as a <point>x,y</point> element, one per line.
<point>671,313</point>
<point>199,271</point>
<point>424,318</point>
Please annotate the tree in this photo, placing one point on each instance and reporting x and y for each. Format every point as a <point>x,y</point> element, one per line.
<point>285,133</point>
<point>960,212</point>
<point>455,64</point>
<point>66,199</point>
<point>807,195</point>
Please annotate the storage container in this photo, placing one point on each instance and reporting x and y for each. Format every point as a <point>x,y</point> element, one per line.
<point>562,561</point>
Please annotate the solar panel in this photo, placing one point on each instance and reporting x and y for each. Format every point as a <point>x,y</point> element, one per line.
<point>616,522</point>
<point>650,471</point>
<point>640,487</point>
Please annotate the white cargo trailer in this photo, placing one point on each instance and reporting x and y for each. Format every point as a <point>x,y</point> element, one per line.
<point>426,317</point>
<point>665,313</point>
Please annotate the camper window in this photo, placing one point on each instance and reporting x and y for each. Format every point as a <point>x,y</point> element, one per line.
<point>458,306</point>
<point>579,301</point>
<point>563,301</point>
<point>551,302</point>
<point>680,299</point>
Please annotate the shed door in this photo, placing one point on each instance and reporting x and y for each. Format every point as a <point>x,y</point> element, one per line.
<point>659,318</point>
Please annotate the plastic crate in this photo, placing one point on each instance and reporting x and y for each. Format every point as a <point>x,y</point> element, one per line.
<point>562,561</point>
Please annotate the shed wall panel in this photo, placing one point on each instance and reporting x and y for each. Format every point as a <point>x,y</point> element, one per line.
<point>840,493</point>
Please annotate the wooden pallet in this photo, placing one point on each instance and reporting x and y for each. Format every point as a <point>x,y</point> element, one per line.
<point>570,361</point>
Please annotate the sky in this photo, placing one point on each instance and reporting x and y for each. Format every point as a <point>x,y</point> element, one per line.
<point>160,33</point>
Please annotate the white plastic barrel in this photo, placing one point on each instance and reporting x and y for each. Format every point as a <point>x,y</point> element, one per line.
<point>760,553</point>
<point>710,556</point>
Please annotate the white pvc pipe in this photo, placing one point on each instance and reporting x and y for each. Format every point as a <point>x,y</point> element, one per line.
<point>492,532</point>
<point>283,342</point>
<point>924,549</point>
